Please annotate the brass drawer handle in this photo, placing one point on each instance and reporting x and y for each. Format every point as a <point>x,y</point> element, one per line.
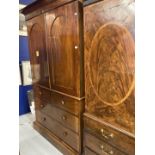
<point>37,53</point>
<point>64,118</point>
<point>65,134</point>
<point>62,102</point>
<point>106,136</point>
<point>111,153</point>
<point>102,148</point>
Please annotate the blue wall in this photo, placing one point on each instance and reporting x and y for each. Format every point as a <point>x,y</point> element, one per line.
<point>23,48</point>
<point>26,2</point>
<point>24,55</point>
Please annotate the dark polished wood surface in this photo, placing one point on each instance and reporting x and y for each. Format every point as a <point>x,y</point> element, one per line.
<point>56,36</point>
<point>55,112</point>
<point>57,59</point>
<point>109,122</point>
<point>116,138</point>
<point>63,48</point>
<point>56,141</point>
<point>38,53</point>
<point>109,61</point>
<point>68,120</point>
<point>42,6</point>
<point>55,127</point>
<point>68,104</point>
<point>99,146</point>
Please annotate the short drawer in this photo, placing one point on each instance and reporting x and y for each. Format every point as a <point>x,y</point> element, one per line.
<point>60,131</point>
<point>115,138</point>
<point>41,97</point>
<point>99,146</point>
<point>88,152</point>
<point>41,93</point>
<point>65,118</point>
<point>71,105</point>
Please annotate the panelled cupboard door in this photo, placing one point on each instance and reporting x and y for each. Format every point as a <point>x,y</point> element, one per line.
<point>109,62</point>
<point>63,47</point>
<point>38,53</point>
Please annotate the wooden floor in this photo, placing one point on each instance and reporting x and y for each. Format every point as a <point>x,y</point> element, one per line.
<point>30,141</point>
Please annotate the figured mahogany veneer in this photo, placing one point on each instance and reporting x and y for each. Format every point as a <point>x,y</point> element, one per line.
<point>109,75</point>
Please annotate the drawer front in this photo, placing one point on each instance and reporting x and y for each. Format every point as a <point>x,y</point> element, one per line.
<point>41,97</point>
<point>113,137</point>
<point>41,93</point>
<point>99,146</point>
<point>89,152</point>
<point>71,105</point>
<point>66,119</point>
<point>60,131</point>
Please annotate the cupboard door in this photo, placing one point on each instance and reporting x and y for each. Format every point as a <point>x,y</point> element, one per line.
<point>109,61</point>
<point>38,53</point>
<point>63,47</point>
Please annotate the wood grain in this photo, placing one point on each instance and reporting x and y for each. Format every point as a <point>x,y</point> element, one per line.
<point>116,138</point>
<point>64,49</point>
<point>109,62</point>
<point>38,52</point>
<point>60,131</point>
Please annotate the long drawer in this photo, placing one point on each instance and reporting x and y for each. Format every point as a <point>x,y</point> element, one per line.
<point>60,131</point>
<point>66,119</point>
<point>71,105</point>
<point>99,146</point>
<point>115,138</point>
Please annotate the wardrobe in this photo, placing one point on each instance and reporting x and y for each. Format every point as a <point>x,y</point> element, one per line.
<point>82,62</point>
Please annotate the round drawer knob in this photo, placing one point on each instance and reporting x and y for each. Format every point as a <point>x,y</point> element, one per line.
<point>76,47</point>
<point>65,134</point>
<point>111,152</point>
<point>42,106</point>
<point>40,93</point>
<point>102,130</point>
<point>62,102</point>
<point>101,147</point>
<point>111,135</point>
<point>64,118</point>
<point>75,14</point>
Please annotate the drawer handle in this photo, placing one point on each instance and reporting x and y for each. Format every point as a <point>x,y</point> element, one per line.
<point>65,134</point>
<point>37,53</point>
<point>106,136</point>
<point>111,153</point>
<point>62,102</point>
<point>64,118</point>
<point>40,93</point>
<point>101,147</point>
